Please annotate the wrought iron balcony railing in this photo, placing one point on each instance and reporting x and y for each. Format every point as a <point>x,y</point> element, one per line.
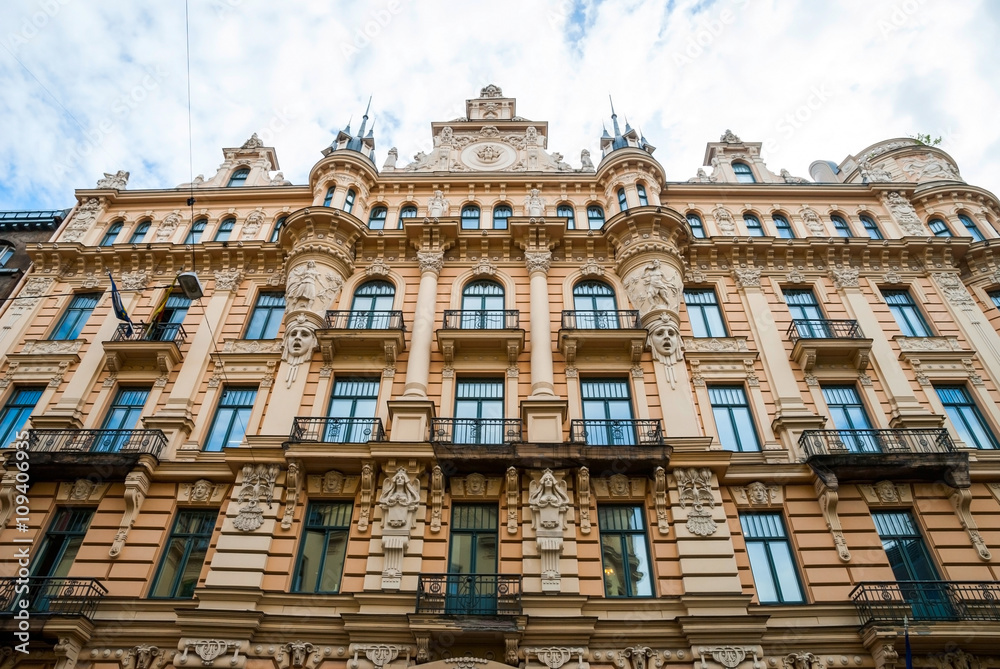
<point>337,430</point>
<point>600,320</point>
<point>889,602</point>
<point>365,320</point>
<point>50,596</point>
<point>134,442</point>
<point>617,432</point>
<point>150,332</point>
<point>499,319</point>
<point>469,594</point>
<point>476,431</point>
<point>841,442</point>
<point>817,328</point>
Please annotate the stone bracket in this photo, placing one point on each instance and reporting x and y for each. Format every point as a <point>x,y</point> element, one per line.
<point>136,487</point>
<point>961,500</point>
<point>583,498</point>
<point>293,486</point>
<point>828,500</point>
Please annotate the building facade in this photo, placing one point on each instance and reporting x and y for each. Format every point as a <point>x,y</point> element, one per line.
<point>487,408</point>
<point>19,229</point>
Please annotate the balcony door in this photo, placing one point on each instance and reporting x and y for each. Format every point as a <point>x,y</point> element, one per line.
<point>352,410</point>
<point>607,412</point>
<point>595,306</point>
<point>911,563</point>
<point>478,412</point>
<point>122,415</point>
<point>169,320</point>
<point>58,551</point>
<point>848,413</point>
<point>482,306</point>
<point>371,306</point>
<point>472,560</point>
<point>803,306</point>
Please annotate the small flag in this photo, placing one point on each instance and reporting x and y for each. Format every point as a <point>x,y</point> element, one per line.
<point>158,312</point>
<point>906,637</point>
<point>118,307</point>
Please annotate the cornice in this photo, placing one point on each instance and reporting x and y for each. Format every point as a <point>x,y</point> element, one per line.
<point>176,198</point>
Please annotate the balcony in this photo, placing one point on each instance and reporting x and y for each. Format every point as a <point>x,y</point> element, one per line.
<point>828,342</point>
<point>50,596</point>
<point>875,455</point>
<point>886,603</point>
<point>601,335</point>
<point>479,333</point>
<point>337,430</point>
<point>145,344</point>
<point>487,595</point>
<point>493,434</point>
<point>378,334</point>
<point>70,454</point>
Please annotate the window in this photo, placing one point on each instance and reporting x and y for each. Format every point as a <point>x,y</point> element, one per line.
<point>774,573</point>
<point>371,305</point>
<point>566,211</point>
<point>184,556</point>
<point>939,228</point>
<point>970,225</point>
<point>622,202</point>
<point>277,228</point>
<point>62,542</point>
<point>6,252</point>
<point>349,200</point>
<point>643,200</point>
<point>501,213</point>
<point>139,234</point>
<point>482,306</point>
<point>904,546</point>
<point>754,228</point>
<point>112,234</point>
<point>479,408</point>
<point>783,227</point>
<point>122,417</point>
<point>840,225</point>
<point>354,398</point>
<point>905,311</point>
<point>624,552</point>
<point>409,211</point>
<point>75,316</point>
<point>376,218</point>
<point>239,178</point>
<point>806,314</point>
<point>265,319</point>
<point>225,230</point>
<point>871,228</point>
<point>744,174</point>
<point>733,419</point>
<point>697,227</point>
<point>169,320</point>
<point>470,217</point>
<point>329,196</point>
<point>595,217</point>
<point>704,313</point>
<point>472,550</point>
<point>15,413</point>
<point>995,296</point>
<point>197,229</point>
<point>231,417</point>
<point>848,413</point>
<point>607,412</point>
<point>965,416</point>
<point>595,306</point>
<point>324,547</point>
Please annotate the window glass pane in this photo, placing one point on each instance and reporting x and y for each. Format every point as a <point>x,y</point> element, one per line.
<point>971,228</point>
<point>871,229</point>
<point>184,556</point>
<point>566,211</point>
<point>840,225</point>
<point>231,417</point>
<point>265,319</point>
<point>966,418</point>
<point>704,313</point>
<point>376,219</point>
<point>904,546</point>
<point>775,574</point>
<point>470,217</point>
<point>595,217</point>
<point>624,552</point>
<point>744,175</point>
<point>16,412</point>
<point>501,213</point>
<point>784,568</point>
<point>239,177</point>
<point>939,228</point>
<point>783,227</point>
<point>754,228</point>
<point>622,202</point>
<point>76,315</point>
<point>139,234</point>
<point>349,201</point>
<point>763,580</point>
<point>328,198</point>
<point>697,227</point>
<point>276,233</point>
<point>905,311</point>
<point>641,192</point>
<point>225,230</point>
<point>733,419</point>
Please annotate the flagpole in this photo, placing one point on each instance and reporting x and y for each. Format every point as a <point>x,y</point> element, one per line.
<point>906,640</point>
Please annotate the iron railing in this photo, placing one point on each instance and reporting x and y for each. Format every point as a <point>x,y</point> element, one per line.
<point>365,320</point>
<point>476,431</point>
<point>600,320</point>
<point>337,430</point>
<point>50,596</point>
<point>617,432</point>
<point>97,441</point>
<point>498,319</point>
<point>150,332</point>
<point>838,442</point>
<point>469,594</point>
<point>821,328</point>
<point>889,602</point>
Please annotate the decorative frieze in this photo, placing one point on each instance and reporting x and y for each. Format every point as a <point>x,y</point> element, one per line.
<point>484,268</point>
<point>886,492</point>
<point>724,221</point>
<point>757,494</point>
<point>638,657</point>
<point>554,657</point>
<point>904,214</point>
<point>81,491</point>
<point>845,277</point>
<point>475,486</point>
<point>730,657</point>
<point>694,489</point>
<point>954,290</point>
<point>747,277</point>
<point>228,279</point>
<point>201,491</point>
<point>297,655</point>
<point>592,268</point>
<point>549,503</point>
<point>212,653</point>
<point>379,654</point>
<point>47,347</point>
<point>802,661</point>
<point>653,287</point>
<point>332,484</point>
<point>257,487</point>
<point>83,219</point>
<point>619,486</point>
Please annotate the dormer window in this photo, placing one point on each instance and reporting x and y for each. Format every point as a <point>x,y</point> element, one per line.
<point>239,178</point>
<point>744,174</point>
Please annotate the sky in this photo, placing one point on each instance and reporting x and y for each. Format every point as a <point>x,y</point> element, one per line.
<point>94,86</point>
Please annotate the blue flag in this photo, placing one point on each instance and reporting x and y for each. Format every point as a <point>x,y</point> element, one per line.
<point>906,636</point>
<point>118,307</point>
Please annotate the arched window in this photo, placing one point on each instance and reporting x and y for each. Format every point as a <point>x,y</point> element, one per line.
<point>376,218</point>
<point>566,211</point>
<point>643,200</point>
<point>482,306</point>
<point>970,225</point>
<point>6,251</point>
<point>239,177</point>
<point>277,228</point>
<point>783,227</point>
<point>409,211</point>
<point>371,306</point>
<point>329,196</point>
<point>225,230</point>
<point>622,201</point>
<point>840,225</point>
<point>139,233</point>
<point>754,228</point>
<point>939,228</point>
<point>470,217</point>
<point>744,174</point>
<point>594,306</point>
<point>197,229</point>
<point>697,227</point>
<point>595,217</point>
<point>349,200</point>
<point>871,229</point>
<point>501,213</point>
<point>112,234</point>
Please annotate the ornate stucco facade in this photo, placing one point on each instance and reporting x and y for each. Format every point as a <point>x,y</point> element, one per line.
<point>520,412</point>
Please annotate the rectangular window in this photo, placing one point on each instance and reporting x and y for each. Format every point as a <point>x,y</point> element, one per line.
<point>754,228</point>
<point>62,542</point>
<point>265,319</point>
<point>704,313</point>
<point>169,320</point>
<point>849,414</point>
<point>995,297</point>
<point>352,410</point>
<point>324,547</point>
<point>775,575</point>
<point>965,416</point>
<point>230,423</point>
<point>607,412</point>
<point>75,316</point>
<point>16,411</point>
<point>697,227</point>
<point>122,416</point>
<point>911,564</point>
<point>840,225</point>
<point>806,314</point>
<point>478,412</point>
<point>971,227</point>
<point>871,227</point>
<point>472,552</point>
<point>184,556</point>
<point>225,230</point>
<point>905,311</point>
<point>733,419</point>
<point>624,552</point>
<point>783,227</point>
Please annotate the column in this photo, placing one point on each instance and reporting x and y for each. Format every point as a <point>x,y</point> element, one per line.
<point>419,363</point>
<point>542,377</point>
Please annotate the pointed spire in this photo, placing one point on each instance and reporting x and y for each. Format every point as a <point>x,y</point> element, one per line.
<point>628,128</point>
<point>371,133</point>
<point>364,119</point>
<point>605,134</point>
